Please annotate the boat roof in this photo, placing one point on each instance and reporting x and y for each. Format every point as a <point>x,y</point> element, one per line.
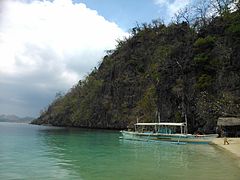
<point>228,121</point>
<point>160,124</point>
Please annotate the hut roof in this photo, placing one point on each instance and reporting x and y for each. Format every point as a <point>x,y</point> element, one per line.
<point>228,121</point>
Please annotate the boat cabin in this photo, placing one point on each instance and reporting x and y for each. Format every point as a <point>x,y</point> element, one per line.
<point>163,127</point>
<point>229,126</point>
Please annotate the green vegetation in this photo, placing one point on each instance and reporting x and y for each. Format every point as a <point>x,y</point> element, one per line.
<point>206,42</point>
<point>203,82</point>
<point>183,68</point>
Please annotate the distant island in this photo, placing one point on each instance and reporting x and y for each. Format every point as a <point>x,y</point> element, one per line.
<point>189,69</point>
<point>14,118</point>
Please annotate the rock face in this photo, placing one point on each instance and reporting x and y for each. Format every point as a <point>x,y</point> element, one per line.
<point>175,70</point>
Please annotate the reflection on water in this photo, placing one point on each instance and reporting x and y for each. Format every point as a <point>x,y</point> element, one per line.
<point>39,152</point>
<point>25,155</point>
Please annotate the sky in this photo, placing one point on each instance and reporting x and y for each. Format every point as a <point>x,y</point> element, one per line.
<point>47,46</point>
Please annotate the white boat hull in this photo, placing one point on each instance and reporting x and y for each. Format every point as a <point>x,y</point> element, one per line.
<point>168,137</point>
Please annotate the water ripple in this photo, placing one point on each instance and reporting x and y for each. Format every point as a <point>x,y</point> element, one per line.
<point>35,152</point>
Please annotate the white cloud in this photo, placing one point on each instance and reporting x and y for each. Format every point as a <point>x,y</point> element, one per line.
<point>172,6</point>
<point>51,45</point>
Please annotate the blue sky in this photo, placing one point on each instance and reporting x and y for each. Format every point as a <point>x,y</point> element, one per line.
<point>126,12</point>
<point>48,46</point>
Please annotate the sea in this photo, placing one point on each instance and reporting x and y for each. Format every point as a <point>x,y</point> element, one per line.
<point>40,152</point>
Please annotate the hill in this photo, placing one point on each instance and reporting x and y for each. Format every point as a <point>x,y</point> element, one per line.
<point>14,118</point>
<point>180,70</point>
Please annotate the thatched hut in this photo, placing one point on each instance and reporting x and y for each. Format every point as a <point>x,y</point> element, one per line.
<point>230,125</point>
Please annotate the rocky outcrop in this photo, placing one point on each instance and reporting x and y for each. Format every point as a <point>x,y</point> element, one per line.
<point>176,70</point>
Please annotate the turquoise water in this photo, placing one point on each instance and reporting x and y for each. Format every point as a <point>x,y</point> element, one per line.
<point>37,152</point>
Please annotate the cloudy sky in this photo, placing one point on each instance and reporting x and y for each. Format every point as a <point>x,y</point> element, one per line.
<point>47,46</point>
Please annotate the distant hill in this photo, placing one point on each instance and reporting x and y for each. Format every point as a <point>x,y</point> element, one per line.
<point>14,118</point>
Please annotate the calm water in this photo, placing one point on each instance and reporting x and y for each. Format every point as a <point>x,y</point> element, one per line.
<point>35,152</point>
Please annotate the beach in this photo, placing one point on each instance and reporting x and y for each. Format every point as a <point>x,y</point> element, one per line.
<point>233,146</point>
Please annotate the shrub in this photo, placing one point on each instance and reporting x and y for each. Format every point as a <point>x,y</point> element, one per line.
<point>204,81</point>
<point>201,58</point>
<point>205,42</point>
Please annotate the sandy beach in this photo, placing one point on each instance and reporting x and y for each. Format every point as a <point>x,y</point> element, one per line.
<point>233,147</point>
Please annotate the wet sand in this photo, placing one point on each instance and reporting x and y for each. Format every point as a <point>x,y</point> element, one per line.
<point>233,147</point>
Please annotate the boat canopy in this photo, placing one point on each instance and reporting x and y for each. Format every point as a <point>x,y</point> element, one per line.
<point>160,124</point>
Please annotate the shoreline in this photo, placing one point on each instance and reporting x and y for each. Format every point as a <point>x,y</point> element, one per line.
<point>233,147</point>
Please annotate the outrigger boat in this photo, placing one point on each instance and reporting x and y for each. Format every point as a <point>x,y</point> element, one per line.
<point>165,131</point>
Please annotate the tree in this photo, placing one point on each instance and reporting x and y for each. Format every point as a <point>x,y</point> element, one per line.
<point>221,7</point>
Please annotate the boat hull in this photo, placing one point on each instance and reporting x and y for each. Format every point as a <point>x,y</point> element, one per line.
<point>168,137</point>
